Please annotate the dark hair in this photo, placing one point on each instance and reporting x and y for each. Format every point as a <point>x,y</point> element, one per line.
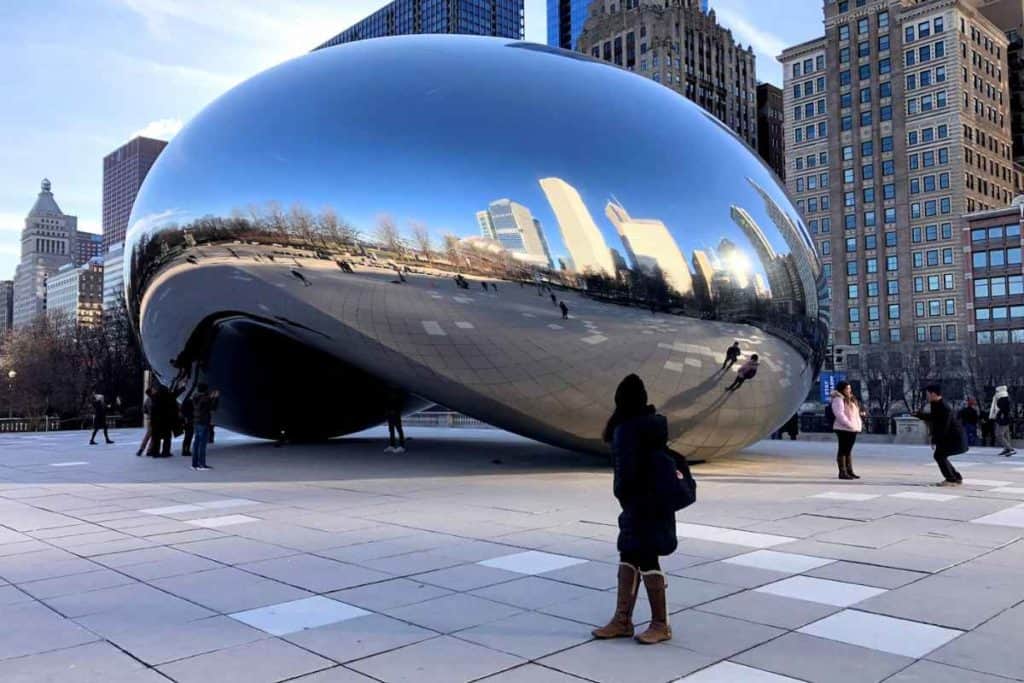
<point>203,387</point>
<point>753,356</point>
<point>841,386</point>
<point>630,401</point>
<point>934,389</point>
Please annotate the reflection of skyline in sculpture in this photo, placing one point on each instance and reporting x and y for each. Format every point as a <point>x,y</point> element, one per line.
<point>651,248</point>
<point>514,227</point>
<point>734,265</point>
<point>783,280</point>
<point>705,274</point>
<point>581,236</point>
<point>801,252</point>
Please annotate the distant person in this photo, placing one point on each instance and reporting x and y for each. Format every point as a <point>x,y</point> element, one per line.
<point>969,417</point>
<point>732,354</point>
<point>988,429</point>
<point>947,435</point>
<point>394,415</point>
<point>747,371</point>
<point>204,403</point>
<point>147,420</point>
<point>494,287</point>
<point>792,427</point>
<point>1001,415</point>
<point>636,434</point>
<point>847,424</point>
<point>163,418</point>
<point>99,418</point>
<point>483,284</point>
<point>554,299</point>
<point>188,425</point>
<point>565,310</point>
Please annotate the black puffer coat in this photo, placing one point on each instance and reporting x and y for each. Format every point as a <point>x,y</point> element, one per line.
<point>643,529</point>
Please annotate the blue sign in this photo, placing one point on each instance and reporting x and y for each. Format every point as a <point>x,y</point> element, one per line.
<point>828,382</point>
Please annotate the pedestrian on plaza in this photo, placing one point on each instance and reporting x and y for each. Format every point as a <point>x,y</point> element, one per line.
<point>164,415</point>
<point>565,310</point>
<point>847,425</point>
<point>947,435</point>
<point>188,425</point>
<point>554,300</point>
<point>147,420</point>
<point>969,417</point>
<point>394,415</point>
<point>988,429</point>
<point>732,354</point>
<point>99,418</point>
<point>792,427</point>
<point>1001,415</point>
<point>204,402</point>
<point>483,284</point>
<point>746,371</point>
<point>636,434</point>
<point>494,287</point>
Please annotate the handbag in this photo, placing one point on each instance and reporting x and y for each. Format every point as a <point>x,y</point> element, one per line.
<point>672,491</point>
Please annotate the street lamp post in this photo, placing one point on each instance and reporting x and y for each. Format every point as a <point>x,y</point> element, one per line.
<point>10,393</point>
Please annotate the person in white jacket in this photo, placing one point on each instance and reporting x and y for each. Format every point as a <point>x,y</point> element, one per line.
<point>847,426</point>
<point>999,413</point>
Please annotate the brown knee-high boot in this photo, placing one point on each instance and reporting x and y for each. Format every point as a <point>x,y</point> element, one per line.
<point>843,472</point>
<point>659,629</point>
<point>621,625</point>
<point>849,467</point>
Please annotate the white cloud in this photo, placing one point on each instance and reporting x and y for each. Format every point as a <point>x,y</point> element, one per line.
<point>161,129</point>
<point>89,225</point>
<point>764,42</point>
<point>12,222</point>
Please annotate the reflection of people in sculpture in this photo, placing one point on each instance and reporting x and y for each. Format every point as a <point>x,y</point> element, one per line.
<point>394,413</point>
<point>565,310</point>
<point>732,354</point>
<point>554,300</point>
<point>746,371</point>
<point>637,435</point>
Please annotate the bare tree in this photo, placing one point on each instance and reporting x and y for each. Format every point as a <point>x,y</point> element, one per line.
<point>387,234</point>
<point>451,248</point>
<point>421,234</point>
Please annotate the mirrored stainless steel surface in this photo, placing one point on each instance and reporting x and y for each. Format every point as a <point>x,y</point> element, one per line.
<point>406,216</point>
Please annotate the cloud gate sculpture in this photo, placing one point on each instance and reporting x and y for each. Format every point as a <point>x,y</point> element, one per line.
<point>400,221</point>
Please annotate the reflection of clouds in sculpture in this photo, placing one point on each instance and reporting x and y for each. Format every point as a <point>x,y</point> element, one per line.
<point>442,179</point>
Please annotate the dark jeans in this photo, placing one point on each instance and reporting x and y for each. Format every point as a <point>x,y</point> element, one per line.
<point>395,425</point>
<point>186,441</point>
<point>949,472</point>
<point>645,562</point>
<point>736,383</point>
<point>728,363</point>
<point>201,438</point>
<point>972,434</point>
<point>160,445</point>
<point>96,428</point>
<point>846,441</point>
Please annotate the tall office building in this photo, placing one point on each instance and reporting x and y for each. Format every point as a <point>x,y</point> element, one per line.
<point>113,279</point>
<point>651,248</point>
<point>6,306</point>
<point>74,294</point>
<point>501,18</point>
<point>897,123</point>
<point>124,169</point>
<point>47,243</point>
<point>1008,15</point>
<point>88,245</point>
<point>675,43</point>
<point>992,241</point>
<point>580,234</point>
<point>771,135</point>
<point>565,22</point>
<point>511,224</point>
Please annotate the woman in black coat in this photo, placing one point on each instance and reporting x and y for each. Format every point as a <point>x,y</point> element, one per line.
<point>636,433</point>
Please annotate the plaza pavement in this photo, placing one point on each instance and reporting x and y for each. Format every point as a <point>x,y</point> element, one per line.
<point>481,556</point>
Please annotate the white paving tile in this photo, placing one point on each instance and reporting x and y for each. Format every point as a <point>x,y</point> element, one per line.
<point>171,510</point>
<point>463,299</point>
<point>824,591</point>
<point>986,482</point>
<point>842,495</point>
<point>1015,490</point>
<point>595,339</point>
<point>914,495</point>
<point>463,325</point>
<point>733,536</point>
<point>555,327</point>
<point>694,362</point>
<point>531,562</point>
<point>728,672</point>
<point>779,562</point>
<point>673,366</point>
<point>70,463</point>
<point>227,503</point>
<point>877,632</point>
<point>1010,517</point>
<point>289,617</point>
<point>226,520</point>
<point>432,328</point>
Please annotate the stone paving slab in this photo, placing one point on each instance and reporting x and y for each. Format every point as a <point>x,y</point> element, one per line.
<point>442,565</point>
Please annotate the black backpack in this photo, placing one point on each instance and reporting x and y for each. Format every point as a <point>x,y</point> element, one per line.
<point>830,417</point>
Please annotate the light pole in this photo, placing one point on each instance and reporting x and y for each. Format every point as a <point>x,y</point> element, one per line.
<point>10,393</point>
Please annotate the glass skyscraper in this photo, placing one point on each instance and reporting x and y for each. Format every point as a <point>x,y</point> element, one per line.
<point>501,18</point>
<point>565,22</point>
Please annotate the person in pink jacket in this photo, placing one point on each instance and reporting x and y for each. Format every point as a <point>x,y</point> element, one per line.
<point>847,425</point>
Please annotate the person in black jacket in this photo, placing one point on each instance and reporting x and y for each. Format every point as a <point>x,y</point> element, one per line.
<point>969,419</point>
<point>732,354</point>
<point>947,435</point>
<point>646,530</point>
<point>163,418</point>
<point>99,418</point>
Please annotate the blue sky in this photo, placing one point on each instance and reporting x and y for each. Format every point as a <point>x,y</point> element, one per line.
<point>80,78</point>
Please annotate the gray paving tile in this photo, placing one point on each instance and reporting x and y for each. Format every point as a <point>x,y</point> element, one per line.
<point>928,600</point>
<point>338,674</point>
<point>439,659</point>
<point>39,629</point>
<point>87,663</point>
<point>389,594</point>
<point>866,574</point>
<point>263,661</point>
<point>361,637</point>
<point>772,610</point>
<point>466,577</point>
<point>998,654</point>
<point>453,612</point>
<point>717,636</point>
<point>531,673</point>
<point>822,661</point>
<point>235,550</point>
<point>316,574</point>
<point>731,574</point>
<point>533,592</point>
<point>624,661</point>
<point>924,671</point>
<point>529,635</point>
<point>229,590</point>
<point>162,643</point>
